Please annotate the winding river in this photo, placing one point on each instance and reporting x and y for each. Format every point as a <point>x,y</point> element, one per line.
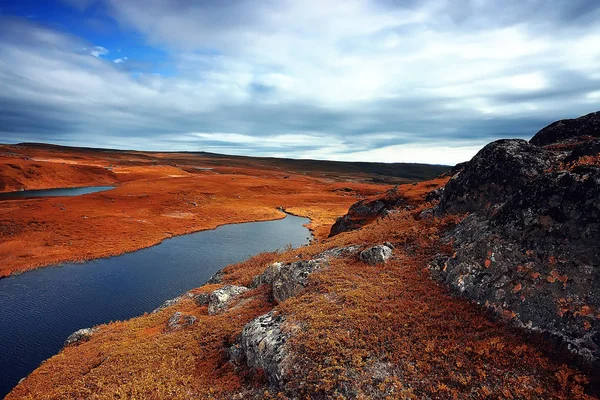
<point>40,308</point>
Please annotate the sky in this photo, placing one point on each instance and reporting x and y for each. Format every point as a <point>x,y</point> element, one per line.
<point>354,80</point>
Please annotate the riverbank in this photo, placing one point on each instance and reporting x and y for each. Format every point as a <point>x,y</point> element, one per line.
<point>156,197</point>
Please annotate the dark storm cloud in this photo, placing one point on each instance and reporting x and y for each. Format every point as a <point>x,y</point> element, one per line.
<point>385,80</point>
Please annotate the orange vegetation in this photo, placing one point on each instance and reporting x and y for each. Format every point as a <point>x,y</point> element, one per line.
<point>363,331</point>
<point>157,196</point>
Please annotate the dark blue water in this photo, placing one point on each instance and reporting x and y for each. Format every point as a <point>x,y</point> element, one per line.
<point>40,308</point>
<point>77,191</point>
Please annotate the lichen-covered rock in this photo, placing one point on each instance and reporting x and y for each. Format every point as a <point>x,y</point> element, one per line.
<point>262,345</point>
<point>288,280</point>
<point>79,336</point>
<point>201,299</point>
<point>500,169</point>
<point>219,299</point>
<point>376,254</point>
<point>179,321</point>
<point>563,130</point>
<point>537,258</point>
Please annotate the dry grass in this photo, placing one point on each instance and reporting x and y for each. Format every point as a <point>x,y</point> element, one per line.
<point>367,332</point>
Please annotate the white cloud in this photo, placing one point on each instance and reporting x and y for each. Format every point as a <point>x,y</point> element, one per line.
<point>354,80</point>
<point>96,51</point>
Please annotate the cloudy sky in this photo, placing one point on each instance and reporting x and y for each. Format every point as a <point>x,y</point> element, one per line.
<point>379,80</point>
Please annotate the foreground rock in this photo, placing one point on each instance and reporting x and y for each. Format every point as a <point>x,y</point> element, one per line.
<point>529,250</point>
<point>376,254</point>
<point>79,336</point>
<point>219,299</point>
<point>288,280</point>
<point>262,346</point>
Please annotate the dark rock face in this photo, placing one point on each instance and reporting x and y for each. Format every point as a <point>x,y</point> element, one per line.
<point>288,280</point>
<point>536,258</point>
<point>500,169</point>
<point>559,131</point>
<point>367,210</point>
<point>530,249</point>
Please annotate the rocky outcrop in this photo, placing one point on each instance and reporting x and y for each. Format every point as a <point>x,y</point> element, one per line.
<point>79,336</point>
<point>220,299</point>
<point>367,210</point>
<point>568,129</point>
<point>288,280</point>
<point>179,321</point>
<point>529,249</point>
<point>499,170</point>
<point>262,345</point>
<point>376,254</point>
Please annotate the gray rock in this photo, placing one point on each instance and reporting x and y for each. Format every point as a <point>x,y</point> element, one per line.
<point>79,336</point>
<point>219,299</point>
<point>376,254</point>
<point>338,252</point>
<point>290,279</point>
<point>166,304</point>
<point>202,299</point>
<point>262,346</point>
<point>179,321</point>
<point>434,195</point>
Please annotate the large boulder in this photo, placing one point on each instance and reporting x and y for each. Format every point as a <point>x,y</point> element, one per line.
<point>220,299</point>
<point>536,260</point>
<point>568,129</point>
<point>496,172</point>
<point>262,345</point>
<point>288,280</point>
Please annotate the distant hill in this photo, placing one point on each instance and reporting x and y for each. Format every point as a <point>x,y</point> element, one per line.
<point>376,171</point>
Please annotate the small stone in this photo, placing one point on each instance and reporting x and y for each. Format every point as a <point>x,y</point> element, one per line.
<point>376,254</point>
<point>219,299</point>
<point>179,321</point>
<point>79,336</point>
